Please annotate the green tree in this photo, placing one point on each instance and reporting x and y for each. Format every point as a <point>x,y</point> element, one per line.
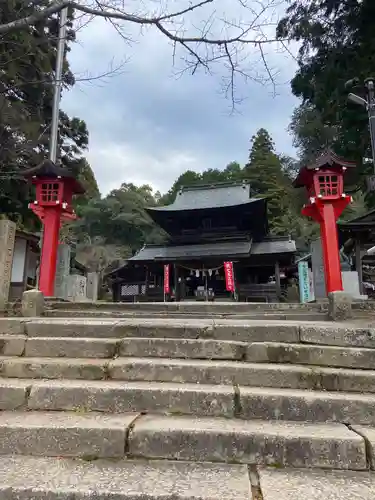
<point>311,135</point>
<point>86,177</point>
<point>261,146</point>
<point>271,176</point>
<point>336,44</point>
<point>267,178</point>
<point>188,178</point>
<point>27,61</point>
<point>101,258</point>
<point>119,219</point>
<point>356,209</point>
<point>233,171</point>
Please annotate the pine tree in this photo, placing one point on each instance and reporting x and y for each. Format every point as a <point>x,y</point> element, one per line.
<point>267,178</point>
<point>262,145</point>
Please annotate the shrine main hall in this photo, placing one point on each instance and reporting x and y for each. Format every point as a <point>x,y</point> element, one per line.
<point>205,227</point>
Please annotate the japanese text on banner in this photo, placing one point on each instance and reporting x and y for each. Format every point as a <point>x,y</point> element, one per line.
<point>166,279</point>
<point>229,276</point>
<point>304,282</point>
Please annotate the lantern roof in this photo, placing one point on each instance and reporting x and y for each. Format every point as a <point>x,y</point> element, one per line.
<point>49,170</point>
<point>328,159</point>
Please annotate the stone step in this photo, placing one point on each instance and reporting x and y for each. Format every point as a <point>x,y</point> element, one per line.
<point>193,307</point>
<point>64,434</point>
<point>142,397</point>
<point>279,444</point>
<point>239,373</point>
<point>297,484</point>
<point>12,345</point>
<point>65,347</point>
<point>238,330</point>
<point>294,315</point>
<point>91,436</point>
<point>107,348</point>
<point>190,399</point>
<point>191,371</point>
<point>53,368</point>
<point>14,394</point>
<point>23,477</point>
<point>310,354</point>
<point>351,334</point>
<point>255,352</point>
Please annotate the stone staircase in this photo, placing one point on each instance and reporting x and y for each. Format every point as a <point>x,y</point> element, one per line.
<point>145,407</point>
<point>235,310</point>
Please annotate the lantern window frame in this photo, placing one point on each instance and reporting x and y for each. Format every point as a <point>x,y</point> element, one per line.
<point>49,192</point>
<point>328,184</point>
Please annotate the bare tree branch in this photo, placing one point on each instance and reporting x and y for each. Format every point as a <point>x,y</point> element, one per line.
<point>58,5</point>
<point>157,21</point>
<point>218,38</point>
<point>267,67</point>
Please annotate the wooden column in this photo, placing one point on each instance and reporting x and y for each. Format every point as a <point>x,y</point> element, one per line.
<point>358,264</point>
<point>277,279</point>
<point>146,282</point>
<point>176,284</point>
<point>116,292</point>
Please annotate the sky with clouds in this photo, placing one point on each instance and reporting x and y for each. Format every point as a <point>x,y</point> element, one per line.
<point>148,125</point>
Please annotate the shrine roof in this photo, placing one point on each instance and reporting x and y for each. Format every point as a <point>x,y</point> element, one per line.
<point>364,221</point>
<point>209,196</point>
<point>227,249</point>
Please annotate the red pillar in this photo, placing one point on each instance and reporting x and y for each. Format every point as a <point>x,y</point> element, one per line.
<point>330,246</point>
<point>326,213</point>
<point>47,269</point>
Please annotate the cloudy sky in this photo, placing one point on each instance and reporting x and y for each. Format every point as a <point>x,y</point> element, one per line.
<point>148,125</point>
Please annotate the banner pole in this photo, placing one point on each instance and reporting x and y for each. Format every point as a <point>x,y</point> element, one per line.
<point>166,281</point>
<point>234,284</point>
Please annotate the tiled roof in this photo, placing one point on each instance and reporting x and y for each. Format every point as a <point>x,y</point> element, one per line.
<point>214,196</point>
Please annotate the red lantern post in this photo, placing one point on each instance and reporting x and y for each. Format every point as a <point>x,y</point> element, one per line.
<point>324,182</point>
<point>55,187</point>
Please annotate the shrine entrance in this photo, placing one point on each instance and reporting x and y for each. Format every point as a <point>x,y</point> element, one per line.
<point>206,227</point>
<point>201,282</point>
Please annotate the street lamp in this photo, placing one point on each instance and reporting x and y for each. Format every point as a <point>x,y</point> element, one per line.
<point>368,103</point>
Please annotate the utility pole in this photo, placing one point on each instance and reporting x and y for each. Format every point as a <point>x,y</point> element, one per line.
<point>370,88</point>
<point>368,103</point>
<point>54,135</point>
<point>54,138</point>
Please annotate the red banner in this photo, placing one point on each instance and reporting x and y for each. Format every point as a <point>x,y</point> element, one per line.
<point>229,276</point>
<point>166,279</point>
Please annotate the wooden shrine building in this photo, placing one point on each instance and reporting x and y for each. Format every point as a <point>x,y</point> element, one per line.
<point>207,226</point>
<point>357,236</point>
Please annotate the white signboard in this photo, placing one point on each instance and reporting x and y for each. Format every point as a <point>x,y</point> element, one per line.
<point>304,282</point>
